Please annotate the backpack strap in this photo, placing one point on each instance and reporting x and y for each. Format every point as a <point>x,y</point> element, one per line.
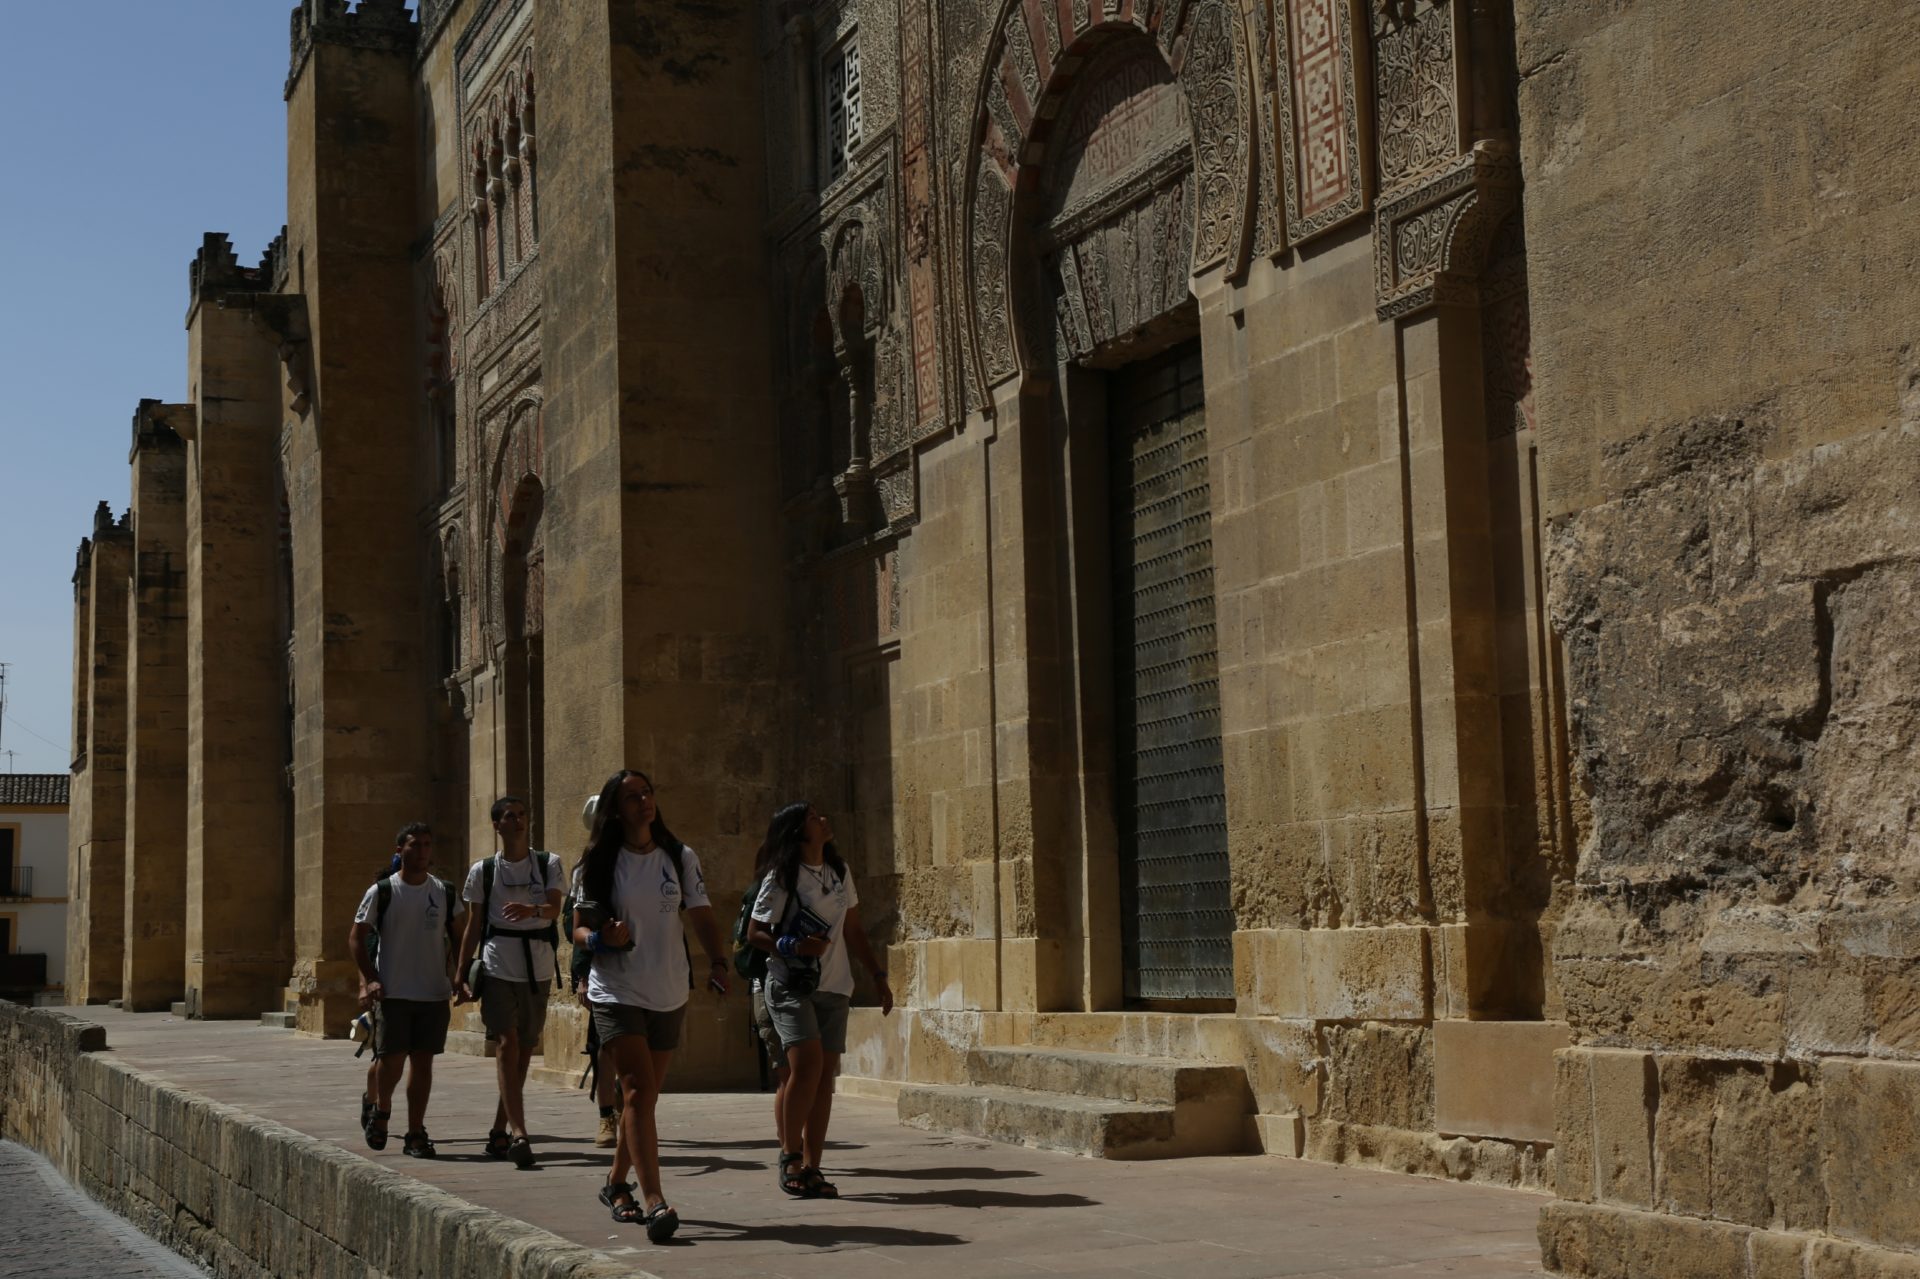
<point>384,889</point>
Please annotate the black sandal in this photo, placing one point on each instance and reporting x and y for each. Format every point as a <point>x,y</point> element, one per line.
<point>499,1142</point>
<point>818,1187</point>
<point>419,1146</point>
<point>521,1152</point>
<point>661,1221</point>
<point>793,1179</point>
<point>366,1110</point>
<point>376,1129</point>
<point>618,1197</point>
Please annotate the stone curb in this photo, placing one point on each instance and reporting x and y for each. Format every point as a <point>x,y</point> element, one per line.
<point>244,1196</point>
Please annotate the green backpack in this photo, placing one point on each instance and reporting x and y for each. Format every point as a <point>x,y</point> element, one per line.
<point>748,959</point>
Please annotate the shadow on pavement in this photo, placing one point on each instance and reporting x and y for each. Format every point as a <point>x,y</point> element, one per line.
<point>704,1164</point>
<point>822,1236</point>
<point>962,1197</point>
<point>939,1174</point>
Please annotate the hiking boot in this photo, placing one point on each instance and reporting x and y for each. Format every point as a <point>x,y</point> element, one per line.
<point>609,1135</point>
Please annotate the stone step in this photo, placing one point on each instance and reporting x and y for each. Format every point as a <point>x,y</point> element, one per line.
<point>470,1043</point>
<point>1092,1126</point>
<point>279,1021</point>
<point>1211,1037</point>
<point>179,1008</point>
<point>1152,1080</point>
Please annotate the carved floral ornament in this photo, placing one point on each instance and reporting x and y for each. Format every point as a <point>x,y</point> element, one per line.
<point>1032,62</point>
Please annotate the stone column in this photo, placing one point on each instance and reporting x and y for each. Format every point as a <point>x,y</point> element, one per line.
<point>236,952</point>
<point>156,822</point>
<point>96,818</point>
<point>359,469</point>
<point>660,467</point>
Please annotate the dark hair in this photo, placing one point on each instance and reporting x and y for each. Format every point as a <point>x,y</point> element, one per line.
<point>411,829</point>
<point>786,836</point>
<point>500,806</point>
<point>608,834</point>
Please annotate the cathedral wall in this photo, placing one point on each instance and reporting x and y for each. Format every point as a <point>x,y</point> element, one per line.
<point>1723,195</point>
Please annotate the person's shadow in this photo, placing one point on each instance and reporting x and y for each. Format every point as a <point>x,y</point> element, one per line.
<point>940,1174</point>
<point>967,1197</point>
<point>809,1235</point>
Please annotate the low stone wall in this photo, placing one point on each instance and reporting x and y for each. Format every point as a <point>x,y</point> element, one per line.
<point>243,1196</point>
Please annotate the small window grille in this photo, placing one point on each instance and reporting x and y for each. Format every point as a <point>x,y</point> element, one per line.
<point>842,84</point>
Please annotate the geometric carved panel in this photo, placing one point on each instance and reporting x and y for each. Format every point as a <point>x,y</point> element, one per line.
<point>1323,116</point>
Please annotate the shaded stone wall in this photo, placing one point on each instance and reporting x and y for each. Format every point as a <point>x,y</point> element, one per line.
<point>97,818</point>
<point>1723,200</point>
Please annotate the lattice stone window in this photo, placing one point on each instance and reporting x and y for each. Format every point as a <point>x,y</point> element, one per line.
<point>840,82</point>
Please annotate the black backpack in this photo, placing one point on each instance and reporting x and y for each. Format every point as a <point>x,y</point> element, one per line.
<point>550,934</point>
<point>581,967</point>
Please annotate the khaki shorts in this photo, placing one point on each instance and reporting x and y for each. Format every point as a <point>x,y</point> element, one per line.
<point>660,1030</point>
<point>410,1026</point>
<point>798,1018</point>
<point>519,1007</point>
<point>763,1026</point>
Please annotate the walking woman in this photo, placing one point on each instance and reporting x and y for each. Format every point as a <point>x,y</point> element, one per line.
<point>636,880</point>
<point>807,918</point>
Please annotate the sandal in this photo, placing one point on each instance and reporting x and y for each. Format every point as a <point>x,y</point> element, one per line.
<point>618,1197</point>
<point>366,1110</point>
<point>419,1146</point>
<point>376,1129</point>
<point>499,1142</point>
<point>661,1221</point>
<point>818,1187</point>
<point>793,1179</point>
<point>521,1152</point>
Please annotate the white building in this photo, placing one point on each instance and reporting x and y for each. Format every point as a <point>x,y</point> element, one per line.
<point>33,887</point>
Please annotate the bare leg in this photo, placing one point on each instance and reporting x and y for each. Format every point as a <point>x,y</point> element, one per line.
<point>510,1068</point>
<point>646,1157</point>
<point>805,1060</point>
<point>390,1067</point>
<point>634,1065</point>
<point>822,1110</point>
<point>419,1088</point>
<point>781,1078</point>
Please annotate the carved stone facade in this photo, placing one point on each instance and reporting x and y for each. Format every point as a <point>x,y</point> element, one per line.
<point>645,424</point>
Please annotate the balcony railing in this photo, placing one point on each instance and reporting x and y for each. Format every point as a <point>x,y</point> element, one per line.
<point>23,972</point>
<point>16,881</point>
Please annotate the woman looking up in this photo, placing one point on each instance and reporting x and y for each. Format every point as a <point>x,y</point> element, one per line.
<point>636,880</point>
<point>807,918</point>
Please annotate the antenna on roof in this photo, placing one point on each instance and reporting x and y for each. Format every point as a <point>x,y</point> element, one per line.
<point>3,712</point>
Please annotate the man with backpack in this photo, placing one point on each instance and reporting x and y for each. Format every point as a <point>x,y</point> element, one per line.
<point>402,941</point>
<point>516,894</point>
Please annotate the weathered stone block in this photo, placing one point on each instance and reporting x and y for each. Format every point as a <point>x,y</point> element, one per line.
<point>1495,1078</point>
<point>1870,1111</point>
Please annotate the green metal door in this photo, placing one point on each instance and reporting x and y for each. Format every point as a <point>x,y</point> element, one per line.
<point>1176,897</point>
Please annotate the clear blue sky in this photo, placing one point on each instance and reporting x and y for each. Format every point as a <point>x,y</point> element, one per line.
<point>134,127</point>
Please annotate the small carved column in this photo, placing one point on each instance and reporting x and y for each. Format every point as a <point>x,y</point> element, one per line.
<point>854,485</point>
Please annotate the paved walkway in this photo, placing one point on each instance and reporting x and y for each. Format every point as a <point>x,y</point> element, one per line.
<point>915,1205</point>
<point>49,1230</point>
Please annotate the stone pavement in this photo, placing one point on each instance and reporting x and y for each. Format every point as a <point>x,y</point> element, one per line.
<point>50,1230</point>
<point>912,1203</point>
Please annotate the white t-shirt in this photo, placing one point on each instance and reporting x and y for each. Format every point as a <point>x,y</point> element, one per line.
<point>828,894</point>
<point>646,894</point>
<point>413,938</point>
<point>506,957</point>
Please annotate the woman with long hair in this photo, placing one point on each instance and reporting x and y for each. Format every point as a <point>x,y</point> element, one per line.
<point>807,919</point>
<point>762,1023</point>
<point>636,879</point>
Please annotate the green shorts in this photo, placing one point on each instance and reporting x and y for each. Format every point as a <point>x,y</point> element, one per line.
<point>763,1026</point>
<point>661,1030</point>
<point>798,1018</point>
<point>519,1007</point>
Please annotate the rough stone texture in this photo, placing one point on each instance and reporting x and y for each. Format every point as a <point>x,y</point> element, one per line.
<point>1734,557</point>
<point>241,1195</point>
<point>97,816</point>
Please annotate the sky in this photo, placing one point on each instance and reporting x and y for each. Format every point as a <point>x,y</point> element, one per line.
<point>134,127</point>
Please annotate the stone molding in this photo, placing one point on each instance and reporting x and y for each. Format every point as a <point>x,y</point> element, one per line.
<point>1430,240</point>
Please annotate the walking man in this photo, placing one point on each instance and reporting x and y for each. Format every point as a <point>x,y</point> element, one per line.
<point>402,939</point>
<point>516,894</point>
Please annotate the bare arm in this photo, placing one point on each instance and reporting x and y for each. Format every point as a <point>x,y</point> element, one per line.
<point>370,989</point>
<point>469,942</point>
<point>708,930</point>
<point>856,935</point>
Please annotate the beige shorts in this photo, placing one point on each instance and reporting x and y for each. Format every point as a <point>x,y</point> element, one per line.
<point>660,1030</point>
<point>519,1007</point>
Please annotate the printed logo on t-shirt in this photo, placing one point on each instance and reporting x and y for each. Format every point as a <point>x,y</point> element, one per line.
<point>669,890</point>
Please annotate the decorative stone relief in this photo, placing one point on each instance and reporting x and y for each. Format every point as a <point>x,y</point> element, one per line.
<point>1323,116</point>
<point>1417,89</point>
<point>1217,99</point>
<point>1506,337</point>
<point>1430,240</point>
<point>899,491</point>
<point>991,204</point>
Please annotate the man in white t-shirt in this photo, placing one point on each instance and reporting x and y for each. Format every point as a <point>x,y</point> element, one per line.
<point>408,984</point>
<point>516,893</point>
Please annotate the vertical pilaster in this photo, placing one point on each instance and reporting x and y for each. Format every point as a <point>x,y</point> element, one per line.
<point>97,815</point>
<point>236,949</point>
<point>358,462</point>
<point>154,970</point>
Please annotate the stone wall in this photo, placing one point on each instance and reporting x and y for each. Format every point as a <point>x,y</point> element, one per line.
<point>1719,201</point>
<point>246,1198</point>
